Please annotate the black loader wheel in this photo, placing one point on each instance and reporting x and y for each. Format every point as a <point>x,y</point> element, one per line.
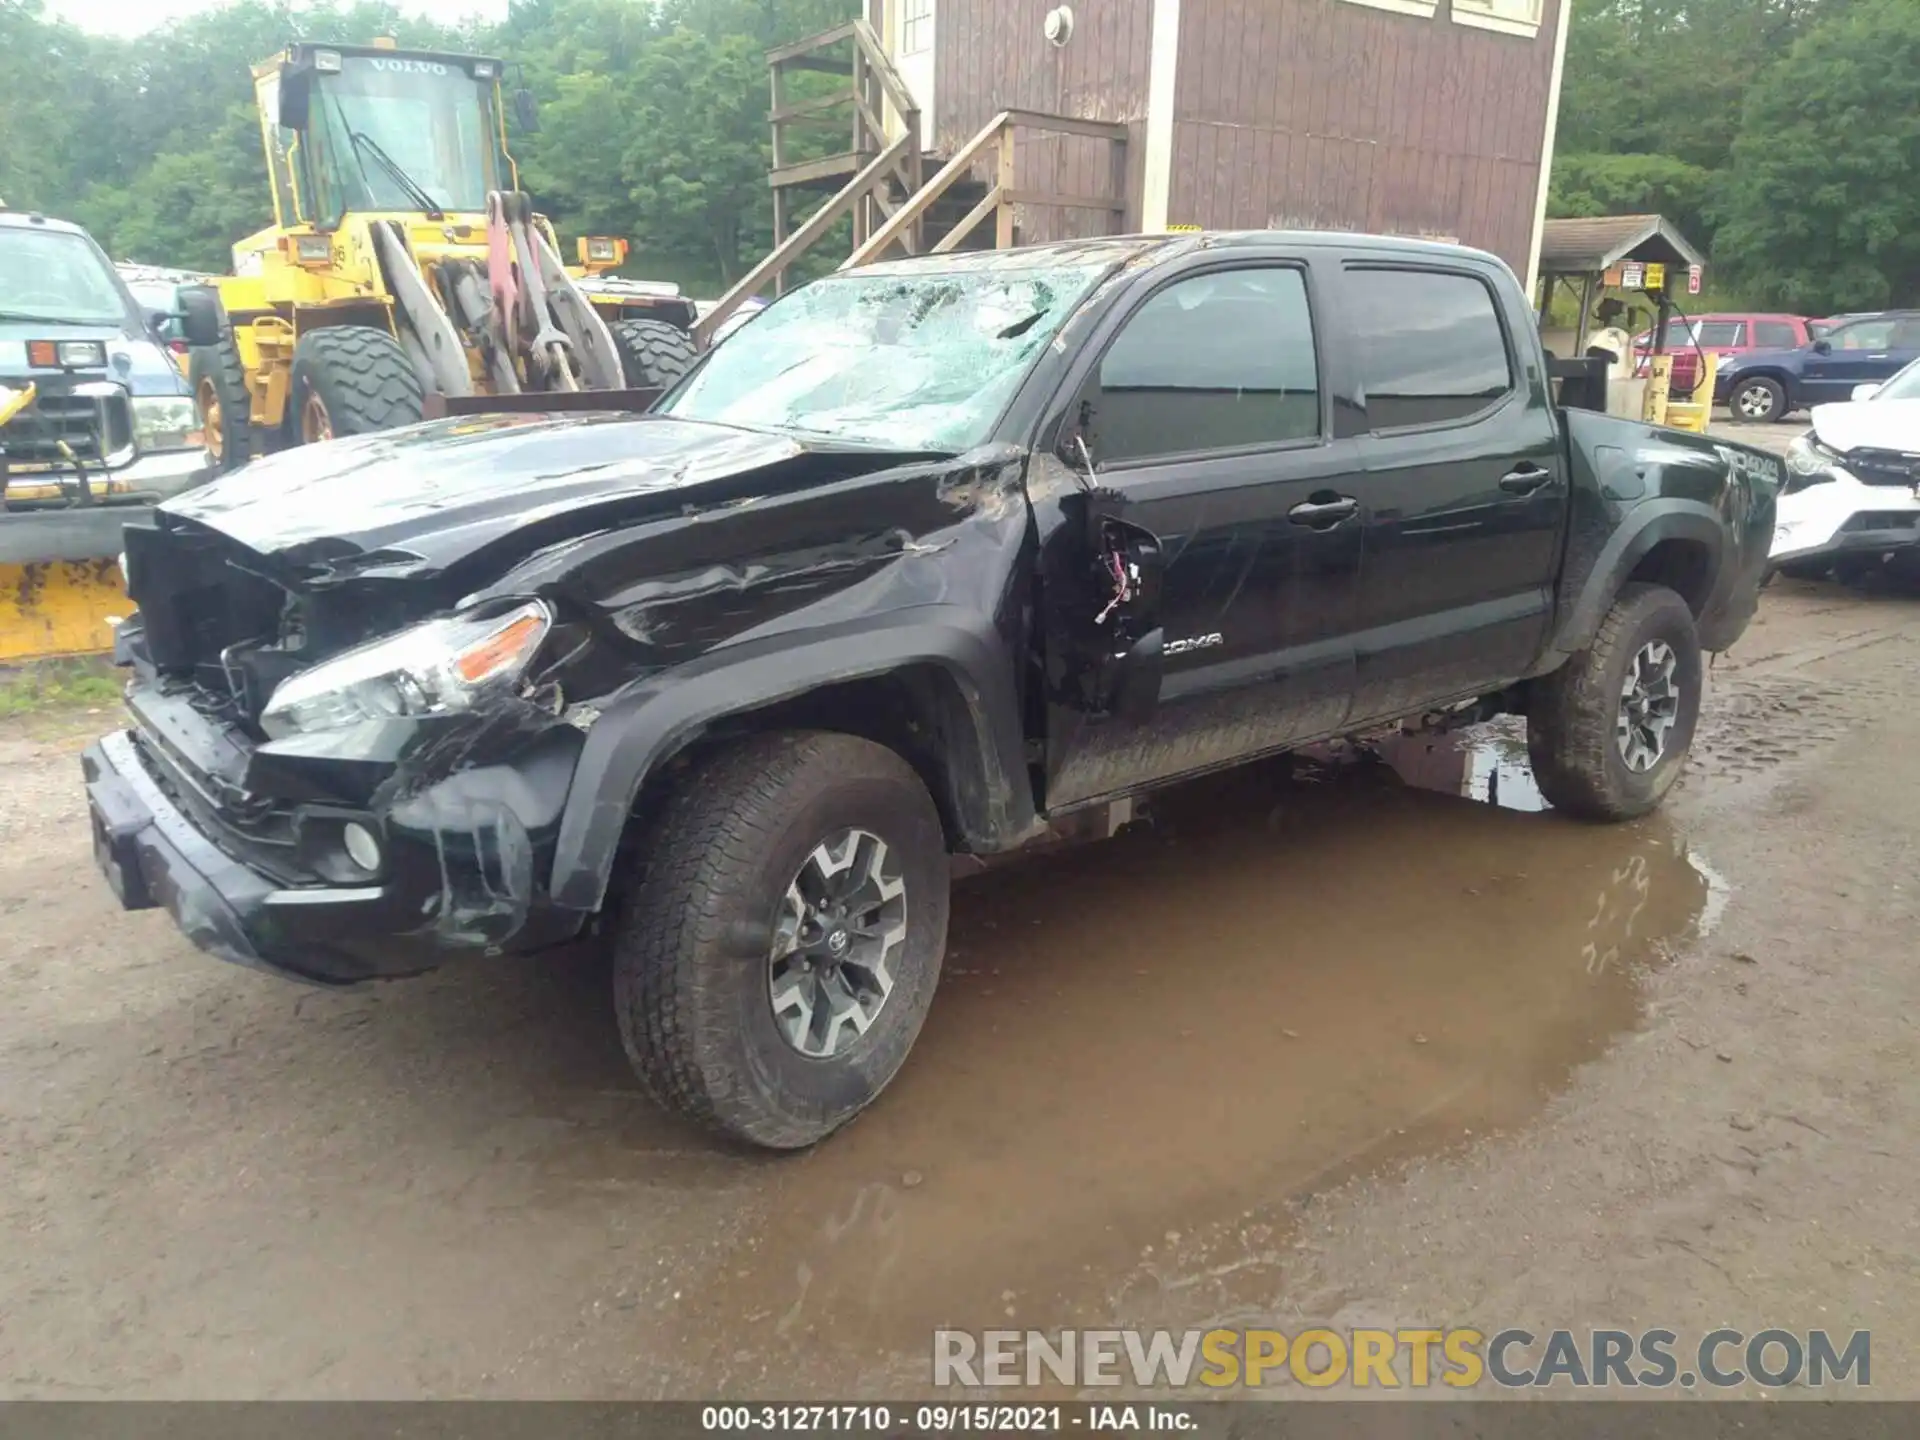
<point>778,953</point>
<point>348,380</point>
<point>653,354</point>
<point>220,397</point>
<point>1608,732</point>
<point>1758,400</point>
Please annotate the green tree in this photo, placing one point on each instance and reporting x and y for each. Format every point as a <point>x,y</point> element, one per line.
<point>696,167</point>
<point>1821,210</point>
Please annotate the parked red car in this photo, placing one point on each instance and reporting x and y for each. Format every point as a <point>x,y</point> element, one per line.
<point>1726,335</point>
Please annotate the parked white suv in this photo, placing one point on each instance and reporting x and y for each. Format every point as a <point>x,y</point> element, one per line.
<point>1852,499</point>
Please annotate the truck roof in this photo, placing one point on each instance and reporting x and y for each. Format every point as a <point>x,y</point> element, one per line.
<point>1119,249</point>
<point>23,219</point>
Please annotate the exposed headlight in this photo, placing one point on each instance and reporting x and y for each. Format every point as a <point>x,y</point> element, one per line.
<point>432,669</point>
<point>1809,461</point>
<point>82,354</point>
<point>166,422</point>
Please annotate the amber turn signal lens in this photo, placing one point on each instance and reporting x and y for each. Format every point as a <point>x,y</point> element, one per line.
<point>500,649</point>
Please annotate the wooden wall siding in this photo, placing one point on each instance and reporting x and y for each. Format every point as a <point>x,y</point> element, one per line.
<point>1328,115</point>
<point>990,55</point>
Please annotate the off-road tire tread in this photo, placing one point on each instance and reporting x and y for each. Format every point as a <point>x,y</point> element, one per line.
<point>222,361</point>
<point>652,352</point>
<point>710,834</point>
<point>362,374</point>
<point>1571,712</point>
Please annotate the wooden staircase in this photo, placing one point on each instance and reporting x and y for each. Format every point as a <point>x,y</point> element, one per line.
<point>882,180</point>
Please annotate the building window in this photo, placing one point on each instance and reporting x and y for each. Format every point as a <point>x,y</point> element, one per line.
<point>1423,8</point>
<point>916,27</point>
<point>1510,17</point>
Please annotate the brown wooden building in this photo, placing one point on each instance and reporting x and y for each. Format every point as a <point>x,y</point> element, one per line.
<point>1427,117</point>
<point>1057,118</point>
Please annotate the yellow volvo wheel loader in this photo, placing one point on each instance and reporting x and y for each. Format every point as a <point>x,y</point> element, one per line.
<point>405,273</point>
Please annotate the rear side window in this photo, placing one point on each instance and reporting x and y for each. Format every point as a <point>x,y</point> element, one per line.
<point>1430,346</point>
<point>1716,333</point>
<point>1217,361</point>
<point>1774,335</point>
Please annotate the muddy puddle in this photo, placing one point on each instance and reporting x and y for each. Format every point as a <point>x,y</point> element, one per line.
<point>1146,1053</point>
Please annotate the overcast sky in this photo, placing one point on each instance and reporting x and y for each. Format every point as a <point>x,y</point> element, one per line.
<point>133,17</point>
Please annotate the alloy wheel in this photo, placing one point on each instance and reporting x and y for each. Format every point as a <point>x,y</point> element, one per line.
<point>841,924</point>
<point>1649,706</point>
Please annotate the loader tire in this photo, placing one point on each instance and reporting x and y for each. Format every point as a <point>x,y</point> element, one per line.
<point>220,397</point>
<point>653,354</point>
<point>349,380</point>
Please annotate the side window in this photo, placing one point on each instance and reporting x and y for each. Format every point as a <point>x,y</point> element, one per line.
<point>1716,334</point>
<point>1906,335</point>
<point>1213,362</point>
<point>1430,346</point>
<point>1865,335</point>
<point>1774,335</point>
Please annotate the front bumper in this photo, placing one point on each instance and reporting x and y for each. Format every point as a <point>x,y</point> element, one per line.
<point>1842,516</point>
<point>460,874</point>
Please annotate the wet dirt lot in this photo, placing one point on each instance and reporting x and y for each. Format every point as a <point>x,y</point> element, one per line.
<point>1319,1045</point>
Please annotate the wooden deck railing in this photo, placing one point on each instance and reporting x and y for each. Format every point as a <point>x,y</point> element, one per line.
<point>887,194</point>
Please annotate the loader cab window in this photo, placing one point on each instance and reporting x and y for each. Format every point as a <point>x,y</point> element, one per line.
<point>282,145</point>
<point>402,134</point>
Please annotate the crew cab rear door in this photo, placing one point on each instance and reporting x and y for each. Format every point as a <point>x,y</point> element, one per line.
<point>1465,491</point>
<point>1204,406</point>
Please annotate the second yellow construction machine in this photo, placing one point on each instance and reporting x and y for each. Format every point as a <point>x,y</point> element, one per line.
<point>405,272</point>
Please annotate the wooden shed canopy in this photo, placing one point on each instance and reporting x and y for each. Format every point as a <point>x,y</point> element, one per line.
<point>1580,247</point>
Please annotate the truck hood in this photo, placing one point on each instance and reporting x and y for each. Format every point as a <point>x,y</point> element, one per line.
<point>1872,424</point>
<point>424,498</point>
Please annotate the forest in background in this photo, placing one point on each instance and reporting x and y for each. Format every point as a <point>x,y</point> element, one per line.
<point>1783,136</point>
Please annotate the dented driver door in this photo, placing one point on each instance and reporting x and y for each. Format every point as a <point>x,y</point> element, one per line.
<point>1206,429</point>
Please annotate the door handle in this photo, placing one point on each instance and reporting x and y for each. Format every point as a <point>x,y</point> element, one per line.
<point>1525,479</point>
<point>1324,512</point>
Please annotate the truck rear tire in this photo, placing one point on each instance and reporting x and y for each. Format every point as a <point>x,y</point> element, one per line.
<point>220,397</point>
<point>1608,732</point>
<point>779,950</point>
<point>653,354</point>
<point>350,380</point>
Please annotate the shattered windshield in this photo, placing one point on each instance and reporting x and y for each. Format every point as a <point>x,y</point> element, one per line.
<point>907,360</point>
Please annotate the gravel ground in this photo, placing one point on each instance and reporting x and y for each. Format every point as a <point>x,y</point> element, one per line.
<point>1350,1052</point>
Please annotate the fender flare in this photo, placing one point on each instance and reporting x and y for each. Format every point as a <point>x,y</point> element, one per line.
<point>1645,526</point>
<point>649,723</point>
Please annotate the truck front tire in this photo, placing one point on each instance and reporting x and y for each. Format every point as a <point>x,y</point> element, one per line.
<point>1758,401</point>
<point>778,951</point>
<point>1608,732</point>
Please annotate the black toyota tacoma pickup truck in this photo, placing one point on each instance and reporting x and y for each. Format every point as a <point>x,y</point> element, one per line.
<point>939,557</point>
